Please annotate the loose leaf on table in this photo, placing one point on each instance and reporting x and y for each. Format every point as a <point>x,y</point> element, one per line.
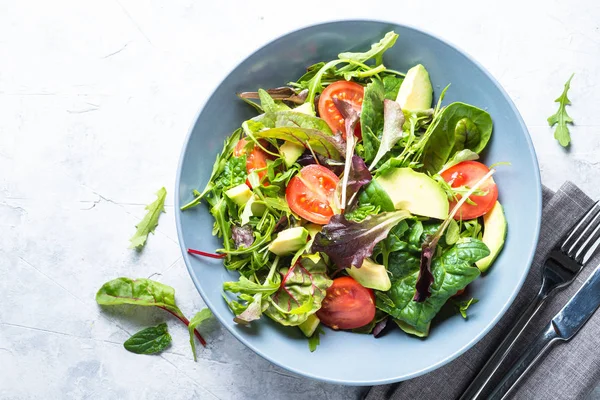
<point>149,341</point>
<point>376,51</point>
<point>150,221</point>
<point>315,340</point>
<point>452,271</point>
<point>561,117</point>
<point>348,243</point>
<point>371,118</point>
<point>196,320</point>
<point>393,119</point>
<point>331,146</point>
<point>302,289</point>
<point>458,126</point>
<point>142,292</point>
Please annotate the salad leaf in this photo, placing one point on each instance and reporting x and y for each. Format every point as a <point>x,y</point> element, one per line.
<point>371,118</point>
<point>142,292</point>
<point>284,93</point>
<point>196,320</point>
<point>292,119</point>
<point>315,339</point>
<point>458,157</point>
<point>391,86</point>
<point>463,305</point>
<point>358,176</point>
<point>149,341</point>
<point>234,173</point>
<point>561,117</point>
<point>361,212</point>
<point>348,243</point>
<point>374,194</point>
<point>247,100</point>
<point>331,146</point>
<point>150,221</point>
<point>393,119</point>
<point>242,235</point>
<point>376,51</point>
<point>246,286</point>
<point>303,287</point>
<point>337,167</point>
<point>452,272</point>
<point>268,104</point>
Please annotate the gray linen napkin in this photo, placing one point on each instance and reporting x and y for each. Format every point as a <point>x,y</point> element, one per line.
<point>570,371</point>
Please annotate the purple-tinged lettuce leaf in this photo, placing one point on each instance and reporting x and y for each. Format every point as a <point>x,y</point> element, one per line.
<point>334,166</point>
<point>284,93</point>
<point>379,327</point>
<point>351,117</point>
<point>358,176</point>
<point>348,243</point>
<point>242,236</point>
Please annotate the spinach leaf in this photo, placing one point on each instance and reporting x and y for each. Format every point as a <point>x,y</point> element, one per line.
<point>371,118</point>
<point>391,86</point>
<point>149,341</point>
<point>315,339</point>
<point>198,319</point>
<point>393,119</point>
<point>452,272</point>
<point>374,194</point>
<point>142,292</point>
<point>463,305</point>
<point>321,143</point>
<point>268,104</point>
<point>150,221</point>
<point>303,287</point>
<point>376,51</point>
<point>348,243</point>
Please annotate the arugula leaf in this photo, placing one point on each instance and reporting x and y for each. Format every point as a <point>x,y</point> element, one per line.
<point>196,320</point>
<point>247,100</point>
<point>315,339</point>
<point>246,286</point>
<point>458,157</point>
<point>303,287</point>
<point>150,221</point>
<point>452,272</point>
<point>463,305</point>
<point>371,118</point>
<point>149,341</point>
<point>391,86</point>
<point>268,104</point>
<point>376,51</point>
<point>561,117</point>
<point>393,119</point>
<point>331,146</point>
<point>142,292</point>
<point>348,243</point>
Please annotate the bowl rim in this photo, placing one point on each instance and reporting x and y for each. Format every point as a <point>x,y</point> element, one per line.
<point>538,211</point>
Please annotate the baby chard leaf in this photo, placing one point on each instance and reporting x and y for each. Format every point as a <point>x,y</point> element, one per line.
<point>198,319</point>
<point>561,117</point>
<point>150,221</point>
<point>149,341</point>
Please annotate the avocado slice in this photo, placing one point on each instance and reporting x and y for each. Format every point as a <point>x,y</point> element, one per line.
<point>411,330</point>
<point>416,92</point>
<point>494,235</point>
<point>371,275</point>
<point>240,194</point>
<point>290,152</point>
<point>289,241</point>
<point>309,326</point>
<point>304,109</point>
<point>415,192</point>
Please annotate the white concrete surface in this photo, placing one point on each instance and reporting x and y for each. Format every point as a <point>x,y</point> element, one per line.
<point>95,100</point>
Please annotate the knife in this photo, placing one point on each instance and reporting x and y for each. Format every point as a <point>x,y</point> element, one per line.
<point>563,327</point>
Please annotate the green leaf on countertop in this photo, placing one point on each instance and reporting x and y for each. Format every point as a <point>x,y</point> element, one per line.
<point>150,221</point>
<point>561,117</point>
<point>149,341</point>
<point>198,319</point>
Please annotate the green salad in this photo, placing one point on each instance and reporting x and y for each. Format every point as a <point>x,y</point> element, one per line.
<point>353,201</point>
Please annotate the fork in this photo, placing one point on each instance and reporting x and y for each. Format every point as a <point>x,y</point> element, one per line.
<point>560,268</point>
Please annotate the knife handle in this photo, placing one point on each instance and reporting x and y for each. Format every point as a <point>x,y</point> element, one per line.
<point>534,352</point>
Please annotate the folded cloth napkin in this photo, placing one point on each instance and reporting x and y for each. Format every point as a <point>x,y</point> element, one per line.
<point>571,370</point>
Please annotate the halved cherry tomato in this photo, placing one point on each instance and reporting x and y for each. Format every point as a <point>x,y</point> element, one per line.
<point>310,193</point>
<point>468,173</point>
<point>343,90</point>
<point>347,305</point>
<point>255,159</point>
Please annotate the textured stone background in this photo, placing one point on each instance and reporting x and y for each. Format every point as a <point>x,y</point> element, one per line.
<point>95,100</point>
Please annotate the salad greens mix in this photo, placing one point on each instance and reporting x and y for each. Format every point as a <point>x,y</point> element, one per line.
<point>353,200</point>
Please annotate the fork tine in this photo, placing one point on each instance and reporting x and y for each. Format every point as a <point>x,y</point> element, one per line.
<point>573,236</point>
<point>588,230</point>
<point>588,245</point>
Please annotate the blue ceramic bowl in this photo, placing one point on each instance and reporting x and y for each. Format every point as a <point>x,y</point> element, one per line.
<point>344,357</point>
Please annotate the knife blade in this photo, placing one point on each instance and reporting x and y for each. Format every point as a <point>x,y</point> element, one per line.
<point>565,324</point>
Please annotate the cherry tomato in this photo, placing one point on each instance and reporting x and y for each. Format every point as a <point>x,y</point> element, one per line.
<point>255,159</point>
<point>343,90</point>
<point>310,193</point>
<point>468,173</point>
<point>347,305</point>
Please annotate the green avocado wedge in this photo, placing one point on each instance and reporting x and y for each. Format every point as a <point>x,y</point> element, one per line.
<point>494,235</point>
